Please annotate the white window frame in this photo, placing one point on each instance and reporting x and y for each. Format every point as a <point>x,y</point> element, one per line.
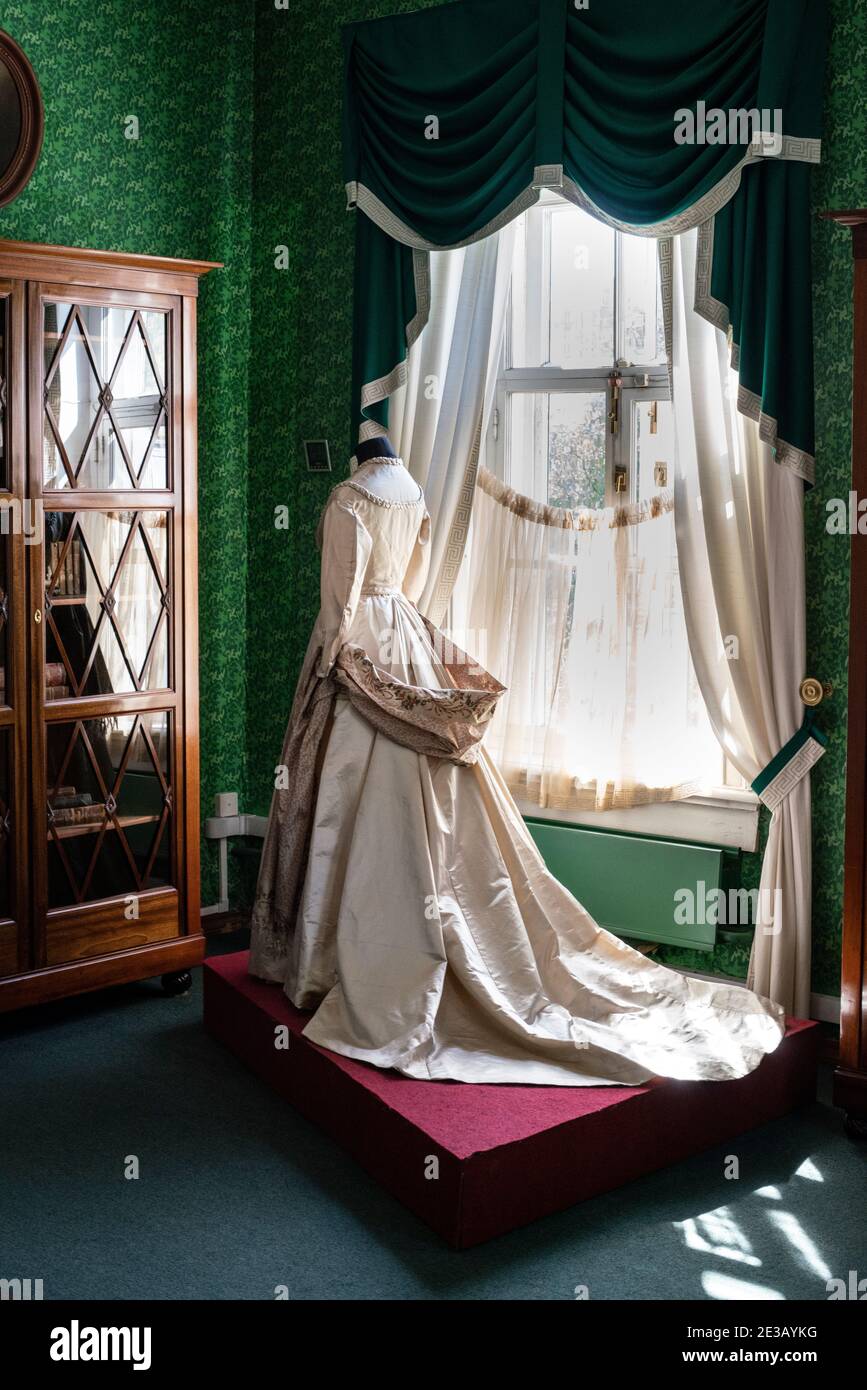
<point>632,382</point>
<point>729,814</point>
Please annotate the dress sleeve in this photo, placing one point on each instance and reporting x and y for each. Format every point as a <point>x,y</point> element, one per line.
<point>346,547</point>
<point>419,562</point>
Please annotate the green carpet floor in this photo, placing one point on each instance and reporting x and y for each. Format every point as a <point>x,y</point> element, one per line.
<point>238,1195</point>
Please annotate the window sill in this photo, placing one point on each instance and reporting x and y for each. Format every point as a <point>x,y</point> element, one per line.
<point>727,817</point>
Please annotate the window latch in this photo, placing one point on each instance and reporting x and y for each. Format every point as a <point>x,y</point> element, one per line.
<point>615,384</point>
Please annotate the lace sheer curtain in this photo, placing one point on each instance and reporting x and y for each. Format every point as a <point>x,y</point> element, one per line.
<point>580,616</point>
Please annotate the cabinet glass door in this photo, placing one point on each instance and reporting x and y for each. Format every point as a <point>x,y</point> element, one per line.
<point>6,761</point>
<point>4,374</point>
<point>108,654</point>
<point>16,527</point>
<point>107,602</point>
<point>109,806</point>
<point>106,407</point>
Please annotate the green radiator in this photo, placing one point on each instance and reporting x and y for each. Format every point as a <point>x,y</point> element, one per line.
<point>635,886</point>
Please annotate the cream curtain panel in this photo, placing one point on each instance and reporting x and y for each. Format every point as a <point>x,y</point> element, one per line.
<point>580,616</point>
<point>739,522</point>
<point>440,414</point>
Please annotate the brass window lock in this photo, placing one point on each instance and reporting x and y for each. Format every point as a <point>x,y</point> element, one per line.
<point>615,385</point>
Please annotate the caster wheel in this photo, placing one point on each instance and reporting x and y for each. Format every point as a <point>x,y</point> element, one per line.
<point>178,982</point>
<point>856,1126</point>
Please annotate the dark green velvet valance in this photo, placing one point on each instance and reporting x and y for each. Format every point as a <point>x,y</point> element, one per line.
<point>456,117</point>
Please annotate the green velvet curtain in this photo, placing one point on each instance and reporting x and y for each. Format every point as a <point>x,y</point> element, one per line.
<point>454,117</point>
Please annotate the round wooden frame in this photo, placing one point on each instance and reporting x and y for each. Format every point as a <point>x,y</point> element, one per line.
<point>15,177</point>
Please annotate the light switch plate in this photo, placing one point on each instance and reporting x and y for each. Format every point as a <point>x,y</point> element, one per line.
<point>226,804</point>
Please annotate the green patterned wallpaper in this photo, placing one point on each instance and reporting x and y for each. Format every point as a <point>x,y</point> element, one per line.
<point>300,377</point>
<point>841,182</point>
<point>182,189</point>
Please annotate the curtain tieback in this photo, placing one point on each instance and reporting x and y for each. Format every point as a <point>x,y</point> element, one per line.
<point>793,762</point>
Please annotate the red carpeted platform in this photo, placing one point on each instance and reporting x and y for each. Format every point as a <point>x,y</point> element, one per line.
<point>506,1154</point>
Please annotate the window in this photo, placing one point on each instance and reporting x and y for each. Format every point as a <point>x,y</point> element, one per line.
<point>582,415</point>
<point>583,419</point>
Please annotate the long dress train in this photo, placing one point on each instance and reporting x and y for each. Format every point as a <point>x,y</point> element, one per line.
<point>400,893</point>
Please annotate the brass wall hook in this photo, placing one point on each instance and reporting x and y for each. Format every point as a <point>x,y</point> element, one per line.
<point>813,691</point>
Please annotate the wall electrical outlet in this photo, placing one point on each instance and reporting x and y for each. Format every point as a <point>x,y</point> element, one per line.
<point>226,804</point>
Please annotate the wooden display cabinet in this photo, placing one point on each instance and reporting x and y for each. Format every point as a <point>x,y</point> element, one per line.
<point>99,728</point>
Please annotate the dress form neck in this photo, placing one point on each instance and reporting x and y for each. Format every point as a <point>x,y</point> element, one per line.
<point>378,447</point>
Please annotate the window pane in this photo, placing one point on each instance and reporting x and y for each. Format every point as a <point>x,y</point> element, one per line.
<point>4,453</point>
<point>109,806</point>
<point>105,403</point>
<point>652,446</point>
<point>642,329</point>
<point>582,290</point>
<point>557,447</point>
<point>107,602</point>
<point>562,290</point>
<point>6,798</point>
<point>5,674</point>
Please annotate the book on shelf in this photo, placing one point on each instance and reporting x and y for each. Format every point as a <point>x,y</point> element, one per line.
<point>72,798</point>
<point>79,815</point>
<point>55,674</point>
<point>66,573</point>
<point>51,572</point>
<point>57,692</point>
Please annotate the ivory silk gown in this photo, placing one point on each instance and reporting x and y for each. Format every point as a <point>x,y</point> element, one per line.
<point>401,896</point>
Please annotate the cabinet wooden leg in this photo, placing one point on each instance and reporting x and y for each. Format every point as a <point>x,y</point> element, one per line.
<point>176,982</point>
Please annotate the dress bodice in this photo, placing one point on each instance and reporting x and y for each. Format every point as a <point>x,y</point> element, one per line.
<point>393,526</point>
<point>375,534</point>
